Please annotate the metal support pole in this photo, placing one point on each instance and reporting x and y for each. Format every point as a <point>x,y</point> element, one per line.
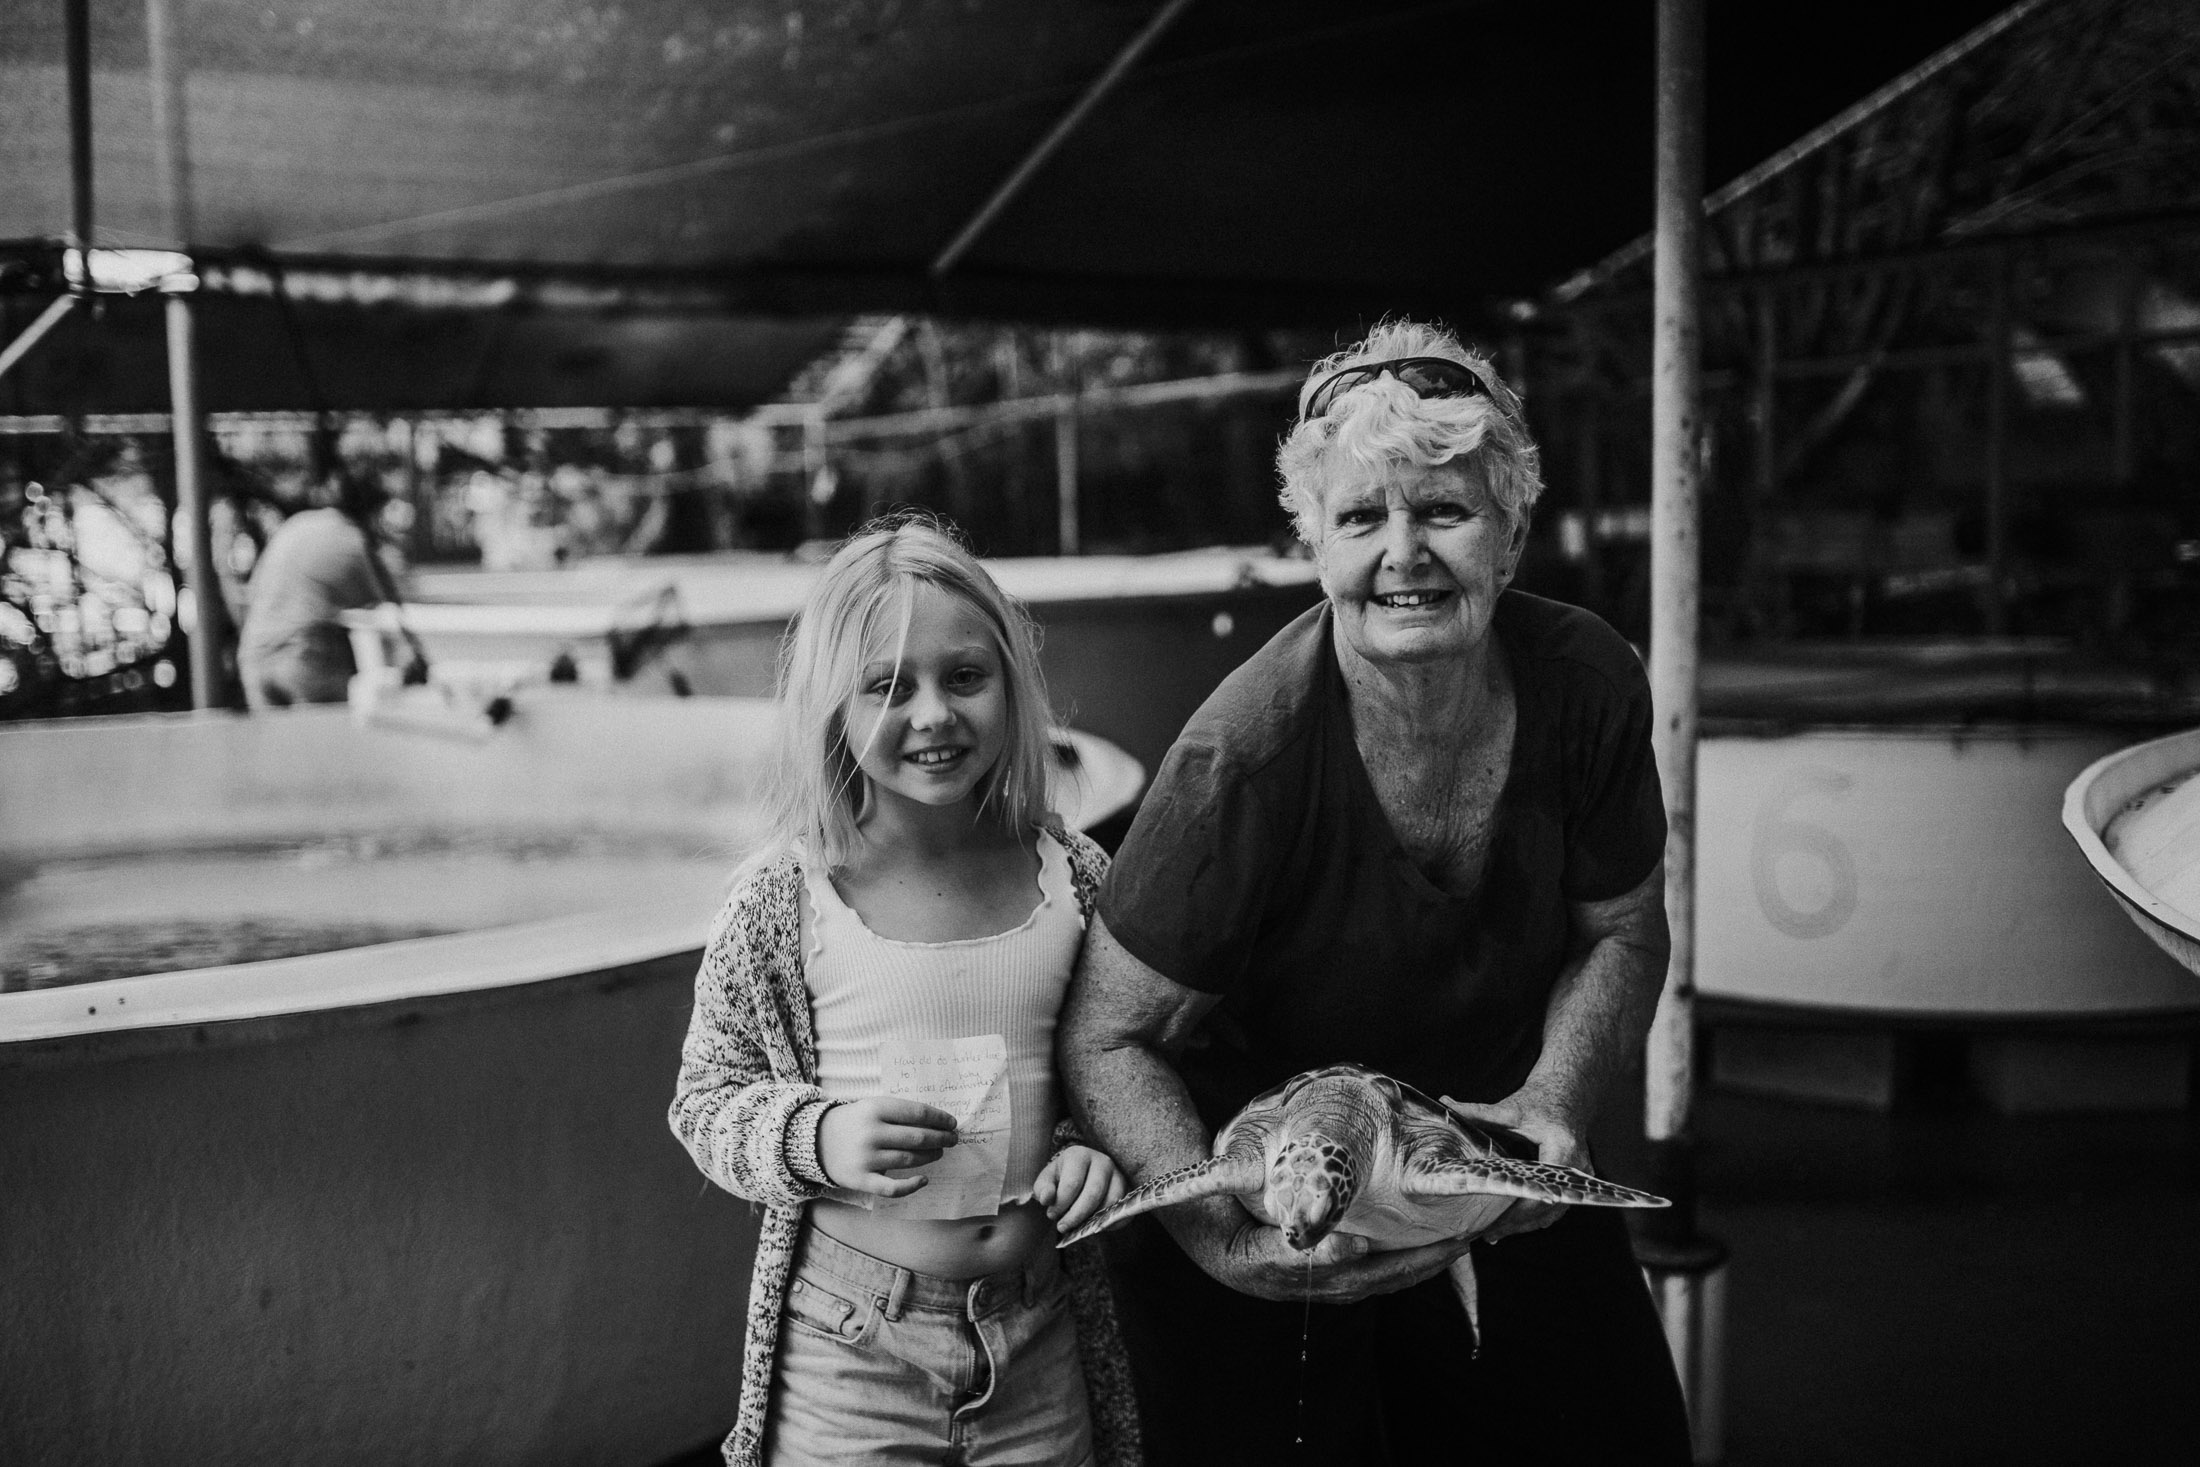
<point>2121,455</point>
<point>818,482</point>
<point>80,127</point>
<point>49,318</point>
<point>171,152</point>
<point>419,493</point>
<point>200,582</point>
<point>1762,398</point>
<point>1997,434</point>
<point>79,46</point>
<point>172,160</point>
<point>1767,583</point>
<point>1684,1267</point>
<point>1590,484</point>
<point>1063,127</point>
<point>1065,478</point>
<point>1676,409</point>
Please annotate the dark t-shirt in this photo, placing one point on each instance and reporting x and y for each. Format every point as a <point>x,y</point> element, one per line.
<point>1262,868</point>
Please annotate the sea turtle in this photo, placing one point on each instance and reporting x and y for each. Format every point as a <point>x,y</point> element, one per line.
<point>1347,1149</point>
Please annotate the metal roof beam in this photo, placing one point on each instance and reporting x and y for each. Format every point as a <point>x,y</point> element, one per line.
<point>2176,226</point>
<point>1813,142</point>
<point>1010,186</point>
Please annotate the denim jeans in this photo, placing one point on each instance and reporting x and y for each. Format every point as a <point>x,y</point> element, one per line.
<point>880,1365</point>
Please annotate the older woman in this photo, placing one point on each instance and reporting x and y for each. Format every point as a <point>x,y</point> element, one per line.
<point>1421,830</point>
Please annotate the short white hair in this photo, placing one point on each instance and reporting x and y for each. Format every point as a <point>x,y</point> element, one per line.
<point>1383,423</point>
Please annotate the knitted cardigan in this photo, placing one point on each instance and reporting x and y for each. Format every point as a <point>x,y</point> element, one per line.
<point>747,1108</point>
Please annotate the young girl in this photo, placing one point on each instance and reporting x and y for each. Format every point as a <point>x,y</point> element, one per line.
<point>918,912</point>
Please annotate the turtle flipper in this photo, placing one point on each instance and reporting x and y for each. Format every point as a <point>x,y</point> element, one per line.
<point>1465,1173</point>
<point>1236,1173</point>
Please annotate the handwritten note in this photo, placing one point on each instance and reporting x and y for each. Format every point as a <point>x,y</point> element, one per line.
<point>967,1078</point>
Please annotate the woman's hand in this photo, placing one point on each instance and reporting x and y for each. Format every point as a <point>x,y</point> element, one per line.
<point>860,1141</point>
<point>1075,1184</point>
<point>1241,1252</point>
<point>1558,1142</point>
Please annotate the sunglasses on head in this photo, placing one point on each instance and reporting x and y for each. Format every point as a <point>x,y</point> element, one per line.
<point>1427,376</point>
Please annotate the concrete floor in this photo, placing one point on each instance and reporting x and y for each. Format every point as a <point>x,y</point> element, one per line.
<point>1944,1285</point>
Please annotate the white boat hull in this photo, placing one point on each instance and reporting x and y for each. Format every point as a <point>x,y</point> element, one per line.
<point>2106,788</point>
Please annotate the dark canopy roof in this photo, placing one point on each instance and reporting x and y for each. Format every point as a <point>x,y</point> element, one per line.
<point>1264,161</point>
<point>2056,118</point>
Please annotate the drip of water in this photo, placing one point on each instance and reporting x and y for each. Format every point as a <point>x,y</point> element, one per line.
<point>1306,1320</point>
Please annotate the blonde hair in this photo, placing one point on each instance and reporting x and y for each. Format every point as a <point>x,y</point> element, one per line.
<point>1382,422</point>
<point>862,602</point>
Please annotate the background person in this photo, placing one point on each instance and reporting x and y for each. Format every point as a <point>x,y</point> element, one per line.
<point>318,564</point>
<point>1420,830</point>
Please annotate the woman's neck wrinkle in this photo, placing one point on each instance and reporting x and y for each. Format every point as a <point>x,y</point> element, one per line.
<point>1409,702</point>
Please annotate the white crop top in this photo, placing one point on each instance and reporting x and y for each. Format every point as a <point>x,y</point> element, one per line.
<point>865,988</point>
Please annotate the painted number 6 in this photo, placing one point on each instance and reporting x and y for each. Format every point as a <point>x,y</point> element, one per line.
<point>1779,837</point>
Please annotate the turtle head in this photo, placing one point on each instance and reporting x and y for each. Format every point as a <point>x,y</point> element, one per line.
<point>1311,1183</point>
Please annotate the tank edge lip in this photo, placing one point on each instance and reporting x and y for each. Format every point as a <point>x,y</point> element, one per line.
<point>355,980</point>
<point>675,972</point>
<point>1740,728</point>
<point>1717,1009</point>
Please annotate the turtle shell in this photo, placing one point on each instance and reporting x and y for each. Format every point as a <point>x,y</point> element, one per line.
<point>1405,1169</point>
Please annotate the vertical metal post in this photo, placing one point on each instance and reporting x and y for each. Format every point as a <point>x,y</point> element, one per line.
<point>1675,411</point>
<point>1685,1268</point>
<point>80,127</point>
<point>171,154</point>
<point>172,160</point>
<point>1691,1303</point>
<point>1765,578</point>
<point>2121,455</point>
<point>419,493</point>
<point>1590,484</point>
<point>1065,477</point>
<point>1997,434</point>
<point>1514,355</point>
<point>1761,409</point>
<point>817,485</point>
<point>209,617</point>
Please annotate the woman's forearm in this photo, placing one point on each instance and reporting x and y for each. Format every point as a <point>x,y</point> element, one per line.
<point>1117,1023</point>
<point>1600,1008</point>
<point>1134,1107</point>
<point>1598,1014</point>
<point>1120,1024</point>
